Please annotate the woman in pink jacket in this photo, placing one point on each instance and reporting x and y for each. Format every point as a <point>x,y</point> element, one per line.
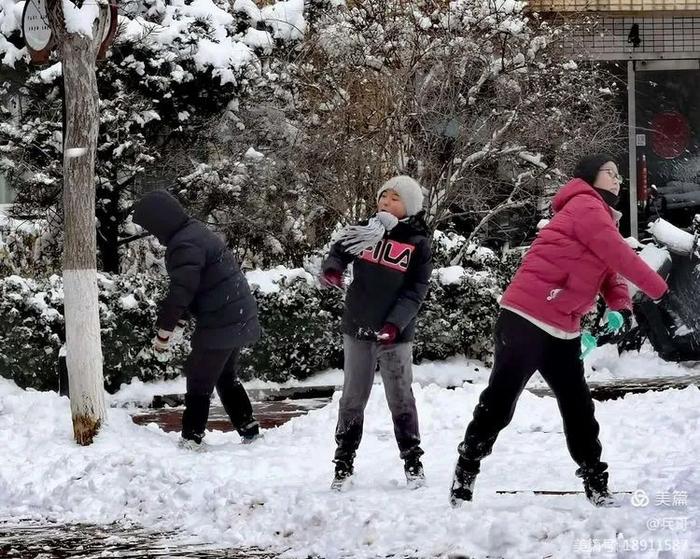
<point>578,255</point>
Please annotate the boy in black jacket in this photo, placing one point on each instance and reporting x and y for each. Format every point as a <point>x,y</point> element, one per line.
<point>392,263</point>
<point>206,283</point>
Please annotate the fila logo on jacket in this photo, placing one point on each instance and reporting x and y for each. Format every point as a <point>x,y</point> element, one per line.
<point>390,253</point>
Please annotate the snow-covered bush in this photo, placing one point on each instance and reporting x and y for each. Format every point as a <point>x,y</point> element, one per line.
<point>21,244</point>
<point>301,332</point>
<point>301,325</point>
<point>458,315</point>
<point>32,330</point>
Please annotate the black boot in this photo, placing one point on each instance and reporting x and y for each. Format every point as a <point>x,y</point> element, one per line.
<point>595,485</point>
<point>343,472</point>
<point>463,481</point>
<point>194,418</point>
<point>249,432</point>
<point>415,476</point>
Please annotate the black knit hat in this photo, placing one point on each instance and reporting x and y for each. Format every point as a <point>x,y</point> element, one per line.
<point>588,167</point>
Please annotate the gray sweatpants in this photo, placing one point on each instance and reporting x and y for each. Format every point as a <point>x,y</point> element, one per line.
<point>361,358</point>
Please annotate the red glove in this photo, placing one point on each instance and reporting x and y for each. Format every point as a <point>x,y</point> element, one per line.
<point>388,334</point>
<point>332,278</point>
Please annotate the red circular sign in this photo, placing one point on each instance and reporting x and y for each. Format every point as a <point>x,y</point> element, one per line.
<point>670,135</point>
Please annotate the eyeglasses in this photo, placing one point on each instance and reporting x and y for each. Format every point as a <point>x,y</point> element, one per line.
<point>613,174</point>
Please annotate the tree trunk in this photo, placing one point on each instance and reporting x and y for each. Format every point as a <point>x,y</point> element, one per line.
<point>84,349</point>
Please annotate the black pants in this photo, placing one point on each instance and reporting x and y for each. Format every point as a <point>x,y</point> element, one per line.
<point>205,370</point>
<point>521,349</point>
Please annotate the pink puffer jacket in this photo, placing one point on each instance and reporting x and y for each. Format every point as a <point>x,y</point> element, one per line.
<point>579,254</point>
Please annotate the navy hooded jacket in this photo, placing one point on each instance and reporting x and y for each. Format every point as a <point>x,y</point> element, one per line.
<point>205,279</point>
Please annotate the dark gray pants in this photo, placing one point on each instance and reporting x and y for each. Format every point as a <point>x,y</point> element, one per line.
<point>361,358</point>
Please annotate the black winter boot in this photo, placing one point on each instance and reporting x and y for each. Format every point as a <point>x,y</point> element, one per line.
<point>250,432</point>
<point>194,418</point>
<point>463,482</point>
<point>343,472</point>
<point>595,486</point>
<point>415,476</point>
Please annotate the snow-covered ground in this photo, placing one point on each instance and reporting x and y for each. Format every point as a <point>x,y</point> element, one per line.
<point>603,365</point>
<point>274,494</point>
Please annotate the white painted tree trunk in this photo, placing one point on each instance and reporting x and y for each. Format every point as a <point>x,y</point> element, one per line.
<point>83,344</point>
<point>84,353</point>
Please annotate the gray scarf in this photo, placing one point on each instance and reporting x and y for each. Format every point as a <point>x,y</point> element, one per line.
<point>356,238</point>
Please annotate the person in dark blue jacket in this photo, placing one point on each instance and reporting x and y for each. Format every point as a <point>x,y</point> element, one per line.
<point>392,263</point>
<point>205,283</point>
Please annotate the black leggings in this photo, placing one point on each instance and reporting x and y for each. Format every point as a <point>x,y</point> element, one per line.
<point>521,349</point>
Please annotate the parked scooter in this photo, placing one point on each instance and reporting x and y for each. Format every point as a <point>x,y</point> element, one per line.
<point>673,325</point>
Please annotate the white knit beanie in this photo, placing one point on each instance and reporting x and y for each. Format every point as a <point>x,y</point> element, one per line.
<point>410,191</point>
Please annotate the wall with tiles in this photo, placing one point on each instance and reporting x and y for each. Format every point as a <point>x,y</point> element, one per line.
<point>614,5</point>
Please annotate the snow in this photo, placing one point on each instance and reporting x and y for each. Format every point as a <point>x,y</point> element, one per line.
<point>255,38</point>
<point>144,117</point>
<point>72,153</point>
<point>286,19</point>
<point>452,372</point>
<point>533,158</point>
<point>38,303</point>
<point>249,8</point>
<point>274,494</point>
<point>222,55</point>
<point>671,236</point>
<point>11,53</point>
<point>12,16</point>
<point>603,365</point>
<point>10,21</point>
<point>50,74</point>
<point>128,302</point>
<point>141,393</point>
<point>81,20</point>
<point>135,29</point>
<point>26,226</point>
<point>209,10</point>
<point>253,154</point>
<point>450,275</point>
<point>268,280</point>
<point>509,6</point>
<point>222,51</point>
<point>449,241</point>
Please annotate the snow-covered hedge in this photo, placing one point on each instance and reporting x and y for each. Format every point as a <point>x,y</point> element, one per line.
<point>32,329</point>
<point>301,324</point>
